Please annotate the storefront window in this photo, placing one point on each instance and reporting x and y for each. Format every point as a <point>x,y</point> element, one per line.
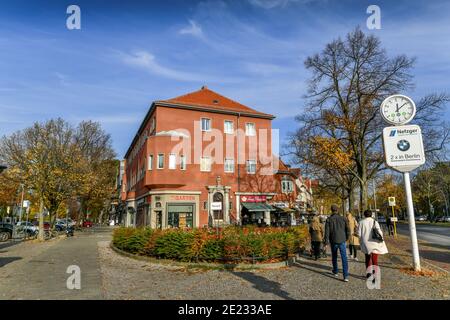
<point>180,216</point>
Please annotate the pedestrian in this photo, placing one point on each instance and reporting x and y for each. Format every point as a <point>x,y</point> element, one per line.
<point>370,245</point>
<point>337,234</point>
<point>389,226</point>
<point>316,231</point>
<point>353,241</point>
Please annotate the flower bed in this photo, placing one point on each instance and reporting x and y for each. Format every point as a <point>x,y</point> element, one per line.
<point>230,245</point>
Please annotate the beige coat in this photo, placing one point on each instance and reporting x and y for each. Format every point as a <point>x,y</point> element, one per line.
<point>353,227</point>
<point>368,245</point>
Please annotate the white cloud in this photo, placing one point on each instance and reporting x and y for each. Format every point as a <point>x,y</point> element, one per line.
<point>270,4</point>
<point>147,61</point>
<point>193,29</point>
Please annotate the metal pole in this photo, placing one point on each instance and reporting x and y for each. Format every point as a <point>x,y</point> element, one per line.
<point>21,204</point>
<point>412,222</point>
<point>395,226</point>
<point>374,194</point>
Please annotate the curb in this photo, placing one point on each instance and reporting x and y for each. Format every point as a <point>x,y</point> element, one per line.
<point>207,265</point>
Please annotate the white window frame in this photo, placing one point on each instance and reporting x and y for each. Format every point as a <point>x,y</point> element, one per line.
<point>172,161</point>
<point>201,161</point>
<point>225,165</point>
<point>201,124</point>
<point>247,132</point>
<point>150,162</point>
<point>157,164</point>
<point>182,162</point>
<point>248,166</point>
<point>225,127</point>
<point>287,186</point>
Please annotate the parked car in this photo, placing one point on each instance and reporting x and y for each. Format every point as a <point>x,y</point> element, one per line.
<point>443,219</point>
<point>28,226</point>
<point>6,230</point>
<point>381,219</point>
<point>87,224</point>
<point>421,218</point>
<point>65,221</point>
<point>60,226</point>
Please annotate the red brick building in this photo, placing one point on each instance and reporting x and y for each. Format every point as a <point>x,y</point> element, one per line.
<point>200,159</point>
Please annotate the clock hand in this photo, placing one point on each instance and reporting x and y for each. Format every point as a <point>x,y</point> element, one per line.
<point>396,110</point>
<point>402,106</point>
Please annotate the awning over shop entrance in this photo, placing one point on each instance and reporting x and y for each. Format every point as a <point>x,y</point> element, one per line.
<point>285,210</point>
<point>254,207</point>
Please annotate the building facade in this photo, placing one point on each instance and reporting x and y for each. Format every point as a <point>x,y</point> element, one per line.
<point>198,160</point>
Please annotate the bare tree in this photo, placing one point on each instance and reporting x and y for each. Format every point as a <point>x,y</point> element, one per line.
<point>350,79</point>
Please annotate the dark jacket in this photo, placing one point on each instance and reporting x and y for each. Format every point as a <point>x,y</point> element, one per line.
<point>336,229</point>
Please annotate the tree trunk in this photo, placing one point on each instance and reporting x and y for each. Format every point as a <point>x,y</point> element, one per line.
<point>351,199</point>
<point>41,220</point>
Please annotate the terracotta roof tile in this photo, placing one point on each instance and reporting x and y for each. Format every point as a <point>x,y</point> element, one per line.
<point>206,98</point>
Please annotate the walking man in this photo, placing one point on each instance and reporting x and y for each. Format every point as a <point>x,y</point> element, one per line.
<point>336,234</point>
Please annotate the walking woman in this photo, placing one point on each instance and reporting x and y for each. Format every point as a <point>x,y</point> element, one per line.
<point>371,246</point>
<point>316,230</point>
<point>353,240</point>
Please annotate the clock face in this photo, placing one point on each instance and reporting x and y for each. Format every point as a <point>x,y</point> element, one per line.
<point>398,109</point>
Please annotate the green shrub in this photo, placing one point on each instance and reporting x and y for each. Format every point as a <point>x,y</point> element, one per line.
<point>231,244</point>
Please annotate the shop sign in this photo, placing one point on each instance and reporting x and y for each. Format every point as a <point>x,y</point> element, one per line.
<point>216,205</point>
<point>182,198</point>
<point>253,198</point>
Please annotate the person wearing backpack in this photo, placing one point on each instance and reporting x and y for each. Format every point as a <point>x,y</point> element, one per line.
<point>316,231</point>
<point>371,240</point>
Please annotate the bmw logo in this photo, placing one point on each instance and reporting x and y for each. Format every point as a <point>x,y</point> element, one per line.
<point>403,145</point>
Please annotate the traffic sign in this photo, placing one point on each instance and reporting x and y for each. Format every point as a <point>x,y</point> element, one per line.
<point>394,219</point>
<point>391,201</point>
<point>403,147</point>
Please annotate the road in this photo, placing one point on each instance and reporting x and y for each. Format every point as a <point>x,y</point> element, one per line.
<point>433,234</point>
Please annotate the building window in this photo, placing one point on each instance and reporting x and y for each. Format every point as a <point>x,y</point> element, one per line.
<point>150,162</point>
<point>229,165</point>
<point>160,161</point>
<point>205,164</point>
<point>172,161</point>
<point>287,186</point>
<point>183,162</point>
<point>206,124</point>
<point>250,129</point>
<point>251,166</point>
<point>228,127</point>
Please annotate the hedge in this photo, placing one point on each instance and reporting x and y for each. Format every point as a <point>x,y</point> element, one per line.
<point>230,245</point>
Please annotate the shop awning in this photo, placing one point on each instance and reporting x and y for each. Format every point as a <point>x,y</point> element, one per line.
<point>285,210</point>
<point>257,206</point>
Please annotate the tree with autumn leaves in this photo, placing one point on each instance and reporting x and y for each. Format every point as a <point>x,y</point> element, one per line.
<point>339,139</point>
<point>58,163</point>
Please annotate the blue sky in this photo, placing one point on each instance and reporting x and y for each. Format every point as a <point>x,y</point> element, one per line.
<point>128,54</point>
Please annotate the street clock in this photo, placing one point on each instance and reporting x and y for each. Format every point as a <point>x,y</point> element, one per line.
<point>398,109</point>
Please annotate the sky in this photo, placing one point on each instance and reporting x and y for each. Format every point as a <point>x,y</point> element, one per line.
<point>128,54</point>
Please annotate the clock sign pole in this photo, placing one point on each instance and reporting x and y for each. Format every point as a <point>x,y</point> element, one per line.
<point>404,152</point>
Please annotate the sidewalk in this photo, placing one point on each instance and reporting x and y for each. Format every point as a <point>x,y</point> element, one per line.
<point>432,256</point>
